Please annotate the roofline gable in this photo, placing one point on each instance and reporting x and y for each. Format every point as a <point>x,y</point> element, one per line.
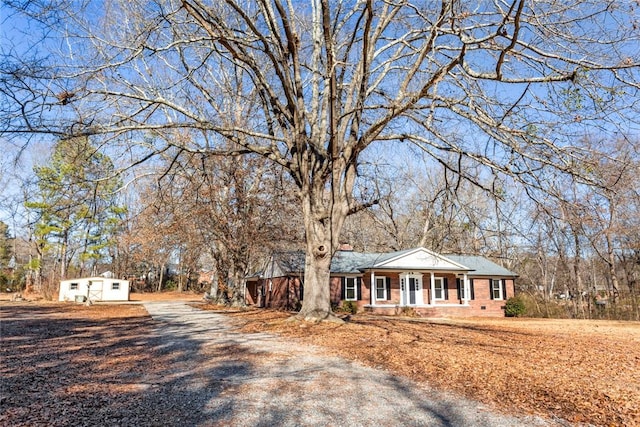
<point>402,254</point>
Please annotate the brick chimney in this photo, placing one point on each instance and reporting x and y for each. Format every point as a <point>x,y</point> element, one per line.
<point>345,247</point>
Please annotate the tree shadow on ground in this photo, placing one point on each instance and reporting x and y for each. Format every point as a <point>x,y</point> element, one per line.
<point>120,371</point>
<point>199,371</point>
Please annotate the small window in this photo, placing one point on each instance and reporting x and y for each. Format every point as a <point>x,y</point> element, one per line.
<point>439,288</point>
<point>381,288</point>
<point>115,286</point>
<point>73,287</point>
<point>350,288</point>
<point>496,288</point>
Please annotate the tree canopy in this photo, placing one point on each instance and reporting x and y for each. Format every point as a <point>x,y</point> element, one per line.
<point>75,206</point>
<point>511,86</point>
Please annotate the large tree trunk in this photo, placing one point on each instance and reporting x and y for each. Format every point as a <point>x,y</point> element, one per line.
<point>324,215</point>
<point>316,304</point>
<point>238,280</point>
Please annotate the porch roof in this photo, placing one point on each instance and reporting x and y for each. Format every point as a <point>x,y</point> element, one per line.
<point>409,259</point>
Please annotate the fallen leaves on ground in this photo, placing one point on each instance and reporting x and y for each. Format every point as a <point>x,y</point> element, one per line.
<point>70,364</point>
<point>581,371</point>
<point>64,362</point>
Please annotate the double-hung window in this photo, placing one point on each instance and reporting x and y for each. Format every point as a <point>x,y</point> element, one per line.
<point>439,292</point>
<point>115,286</point>
<point>381,288</point>
<point>73,287</point>
<point>351,288</point>
<point>496,289</point>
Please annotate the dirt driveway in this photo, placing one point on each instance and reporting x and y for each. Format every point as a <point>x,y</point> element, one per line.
<point>69,365</point>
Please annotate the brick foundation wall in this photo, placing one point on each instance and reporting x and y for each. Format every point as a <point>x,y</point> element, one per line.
<point>492,309</point>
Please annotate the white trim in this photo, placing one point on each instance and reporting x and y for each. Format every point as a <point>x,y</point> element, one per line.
<point>405,296</point>
<point>491,282</point>
<point>384,288</point>
<point>355,288</point>
<point>467,289</point>
<point>415,306</point>
<point>372,295</point>
<point>442,290</point>
<point>455,265</point>
<point>432,293</point>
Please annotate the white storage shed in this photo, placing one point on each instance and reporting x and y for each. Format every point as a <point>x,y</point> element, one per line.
<point>94,289</point>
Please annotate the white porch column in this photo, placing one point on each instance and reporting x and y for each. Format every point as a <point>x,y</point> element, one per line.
<point>372,289</point>
<point>467,289</point>
<point>432,295</point>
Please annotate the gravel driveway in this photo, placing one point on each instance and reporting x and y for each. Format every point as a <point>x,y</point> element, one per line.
<point>224,377</point>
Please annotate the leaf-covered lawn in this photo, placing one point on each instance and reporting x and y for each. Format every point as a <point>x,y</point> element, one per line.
<point>68,364</point>
<point>582,371</point>
<point>71,363</point>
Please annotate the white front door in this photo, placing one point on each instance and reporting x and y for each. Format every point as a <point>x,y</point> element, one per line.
<point>411,289</point>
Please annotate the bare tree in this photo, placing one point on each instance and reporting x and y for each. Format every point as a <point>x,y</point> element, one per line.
<point>234,208</point>
<point>506,84</point>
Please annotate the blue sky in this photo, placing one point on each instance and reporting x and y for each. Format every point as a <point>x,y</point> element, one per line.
<point>27,38</point>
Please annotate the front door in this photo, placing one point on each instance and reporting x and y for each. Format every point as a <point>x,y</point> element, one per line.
<point>411,289</point>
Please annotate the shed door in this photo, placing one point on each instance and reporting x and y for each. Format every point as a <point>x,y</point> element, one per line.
<point>95,291</point>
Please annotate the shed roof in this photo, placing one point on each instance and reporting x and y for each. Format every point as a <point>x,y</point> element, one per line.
<point>94,278</point>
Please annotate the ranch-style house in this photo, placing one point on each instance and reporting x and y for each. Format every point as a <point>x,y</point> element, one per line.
<point>417,280</point>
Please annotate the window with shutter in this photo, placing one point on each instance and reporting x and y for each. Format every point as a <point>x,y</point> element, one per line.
<point>381,288</point>
<point>351,288</point>
<point>460,288</point>
<point>439,289</point>
<point>496,289</point>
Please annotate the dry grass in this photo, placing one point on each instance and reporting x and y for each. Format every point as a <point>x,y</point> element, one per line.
<point>582,371</point>
<point>63,362</point>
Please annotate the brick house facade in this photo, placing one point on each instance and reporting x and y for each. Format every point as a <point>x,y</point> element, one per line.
<point>417,280</point>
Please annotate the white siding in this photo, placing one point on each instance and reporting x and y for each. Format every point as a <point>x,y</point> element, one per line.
<point>102,289</point>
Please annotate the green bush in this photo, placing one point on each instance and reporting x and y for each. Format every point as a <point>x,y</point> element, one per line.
<point>514,307</point>
<point>349,307</point>
<point>170,285</point>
